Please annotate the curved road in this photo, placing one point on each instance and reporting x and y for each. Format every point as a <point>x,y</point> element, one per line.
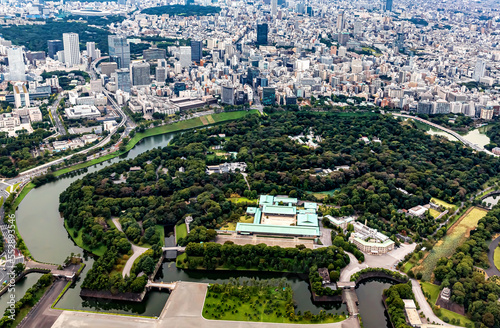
<point>138,251</point>
<point>492,271</point>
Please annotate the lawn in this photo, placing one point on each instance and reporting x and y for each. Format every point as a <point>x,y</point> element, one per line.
<point>432,289</point>
<point>210,119</point>
<point>180,232</point>
<point>452,315</point>
<point>407,267</point>
<point>446,205</point>
<point>434,213</point>
<point>322,194</point>
<point>496,257</point>
<point>242,200</point>
<point>160,230</point>
<point>229,226</point>
<point>263,306</point>
<point>11,189</point>
<point>99,251</point>
<point>246,219</point>
<point>455,236</point>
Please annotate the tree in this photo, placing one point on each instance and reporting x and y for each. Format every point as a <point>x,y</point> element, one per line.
<point>18,268</point>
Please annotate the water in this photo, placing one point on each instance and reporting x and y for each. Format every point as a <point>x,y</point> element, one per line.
<point>476,136</point>
<point>371,307</point>
<point>20,289</point>
<point>43,231</point>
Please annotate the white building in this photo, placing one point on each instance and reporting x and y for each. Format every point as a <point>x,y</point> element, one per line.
<point>185,56</point>
<point>16,64</point>
<point>71,43</point>
<point>82,111</point>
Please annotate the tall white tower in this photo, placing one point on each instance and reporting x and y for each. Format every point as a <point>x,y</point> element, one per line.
<point>479,69</point>
<point>16,64</point>
<point>274,7</point>
<point>91,50</point>
<point>71,43</point>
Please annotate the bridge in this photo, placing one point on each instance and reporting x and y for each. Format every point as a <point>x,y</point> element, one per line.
<point>492,193</point>
<point>453,133</point>
<point>161,285</point>
<point>67,273</point>
<point>174,248</point>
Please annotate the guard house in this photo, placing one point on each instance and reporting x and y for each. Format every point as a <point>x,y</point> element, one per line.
<point>279,215</point>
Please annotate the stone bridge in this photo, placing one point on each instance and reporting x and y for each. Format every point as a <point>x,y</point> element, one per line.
<point>161,285</point>
<point>491,193</point>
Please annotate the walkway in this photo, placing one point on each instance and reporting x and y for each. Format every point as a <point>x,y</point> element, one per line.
<point>138,251</point>
<point>174,248</point>
<point>424,306</point>
<point>245,177</point>
<point>183,310</point>
<point>492,270</point>
<point>453,133</point>
<point>161,285</point>
<point>68,272</point>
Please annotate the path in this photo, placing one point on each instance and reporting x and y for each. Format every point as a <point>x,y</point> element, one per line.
<point>245,177</point>
<point>453,133</point>
<point>492,270</point>
<point>68,272</point>
<point>41,315</point>
<point>424,306</point>
<point>138,251</point>
<point>183,310</point>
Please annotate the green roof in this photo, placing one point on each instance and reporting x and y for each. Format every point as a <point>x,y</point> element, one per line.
<point>307,220</point>
<point>266,199</point>
<point>307,211</point>
<point>285,200</point>
<point>251,210</point>
<point>277,229</point>
<point>310,205</point>
<point>283,210</point>
<point>257,216</point>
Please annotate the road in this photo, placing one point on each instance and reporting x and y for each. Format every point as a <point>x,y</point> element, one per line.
<point>41,315</point>
<point>138,251</point>
<point>55,115</point>
<point>424,306</point>
<point>492,270</point>
<point>453,133</point>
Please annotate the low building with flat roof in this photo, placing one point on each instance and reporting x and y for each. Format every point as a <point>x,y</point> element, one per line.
<point>369,240</point>
<point>82,111</point>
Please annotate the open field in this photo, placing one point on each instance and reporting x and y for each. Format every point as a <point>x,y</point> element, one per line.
<point>242,200</point>
<point>434,213</point>
<point>453,238</point>
<point>446,205</point>
<point>180,232</point>
<point>210,119</point>
<point>496,258</point>
<point>452,315</point>
<point>229,226</point>
<point>322,194</point>
<point>246,219</point>
<point>432,289</point>
<point>204,120</point>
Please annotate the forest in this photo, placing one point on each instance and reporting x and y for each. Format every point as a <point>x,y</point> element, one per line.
<point>180,10</point>
<point>394,296</point>
<point>163,186</point>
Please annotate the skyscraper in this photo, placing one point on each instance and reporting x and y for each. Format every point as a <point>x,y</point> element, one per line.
<point>388,5</point>
<point>340,21</point>
<point>71,49</point>
<point>119,50</point>
<point>185,56</point>
<point>196,51</point>
<point>91,50</point>
<point>478,70</point>
<point>16,64</point>
<point>262,34</point>
<point>274,7</point>
<point>123,79</point>
<point>54,46</point>
<point>140,74</point>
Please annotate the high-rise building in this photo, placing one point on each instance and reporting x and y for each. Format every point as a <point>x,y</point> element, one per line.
<point>262,30</point>
<point>227,95</point>
<point>154,53</point>
<point>388,5</point>
<point>185,56</point>
<point>140,73</point>
<point>119,50</point>
<point>268,96</point>
<point>479,70</point>
<point>91,50</point>
<point>53,47</point>
<point>274,7</point>
<point>123,79</point>
<point>16,64</point>
<point>161,73</point>
<point>71,49</point>
<point>340,21</point>
<point>196,51</point>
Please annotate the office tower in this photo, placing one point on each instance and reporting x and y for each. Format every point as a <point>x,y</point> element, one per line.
<point>108,68</point>
<point>123,79</point>
<point>196,51</point>
<point>119,50</point>
<point>478,70</point>
<point>227,95</point>
<point>388,5</point>
<point>357,27</point>
<point>340,21</point>
<point>274,7</point>
<point>140,74</point>
<point>91,50</point>
<point>54,46</point>
<point>161,73</point>
<point>71,49</point>
<point>185,56</point>
<point>16,64</point>
<point>154,53</point>
<point>268,96</point>
<point>262,34</point>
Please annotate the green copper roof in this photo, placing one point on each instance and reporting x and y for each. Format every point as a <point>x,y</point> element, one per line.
<point>276,229</point>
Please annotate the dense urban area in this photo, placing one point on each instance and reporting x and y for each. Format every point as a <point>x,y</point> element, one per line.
<point>264,163</point>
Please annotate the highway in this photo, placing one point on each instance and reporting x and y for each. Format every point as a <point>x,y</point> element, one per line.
<point>55,115</point>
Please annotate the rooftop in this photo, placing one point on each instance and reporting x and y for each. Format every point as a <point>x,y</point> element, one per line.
<point>277,229</point>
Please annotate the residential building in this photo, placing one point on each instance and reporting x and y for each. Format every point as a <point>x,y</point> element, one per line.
<point>140,73</point>
<point>91,53</point>
<point>71,49</point>
<point>196,51</point>
<point>185,56</point>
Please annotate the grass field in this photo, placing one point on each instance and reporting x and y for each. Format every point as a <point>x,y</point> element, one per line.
<point>11,189</point>
<point>245,219</point>
<point>178,126</point>
<point>434,213</point>
<point>446,205</point>
<point>203,120</point>
<point>496,257</point>
<point>432,289</point>
<point>453,238</point>
<point>180,232</point>
<point>263,307</point>
<point>229,226</point>
<point>242,200</point>
<point>210,119</point>
<point>407,267</point>
<point>322,194</point>
<point>452,315</point>
<point>78,240</point>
